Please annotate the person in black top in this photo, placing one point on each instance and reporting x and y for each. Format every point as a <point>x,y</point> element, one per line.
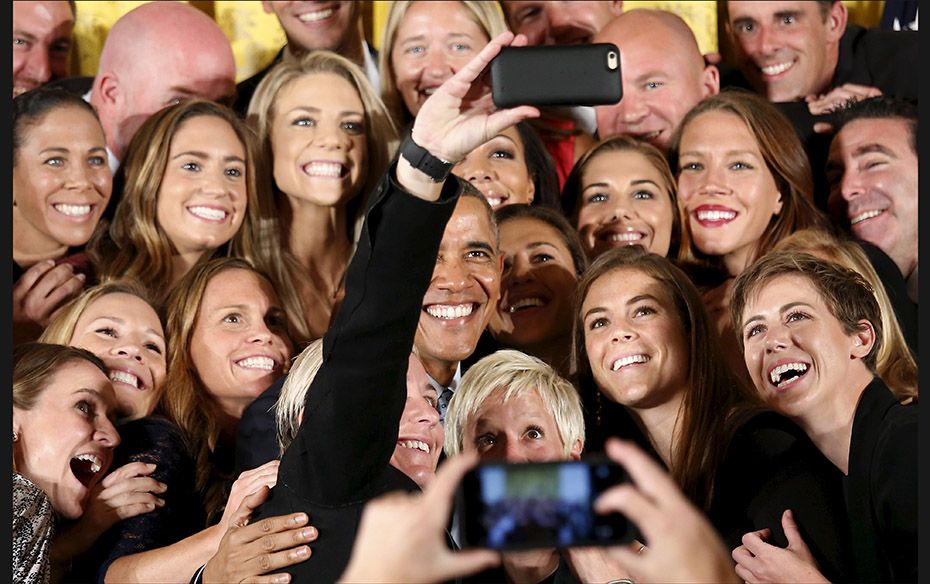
<point>340,456</point>
<point>810,332</point>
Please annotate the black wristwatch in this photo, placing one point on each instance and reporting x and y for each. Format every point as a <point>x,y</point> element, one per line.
<point>419,158</point>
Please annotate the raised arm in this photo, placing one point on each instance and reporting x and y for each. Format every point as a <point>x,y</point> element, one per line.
<point>354,405</point>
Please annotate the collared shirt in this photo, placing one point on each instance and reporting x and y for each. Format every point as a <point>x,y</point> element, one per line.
<point>442,404</point>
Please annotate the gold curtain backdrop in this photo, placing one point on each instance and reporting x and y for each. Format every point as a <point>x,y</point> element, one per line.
<point>256,36</point>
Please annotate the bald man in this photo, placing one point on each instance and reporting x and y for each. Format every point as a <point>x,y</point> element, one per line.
<point>156,55</point>
<point>664,76</point>
<point>41,42</point>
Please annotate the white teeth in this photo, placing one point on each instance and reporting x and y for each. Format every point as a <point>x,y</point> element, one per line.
<point>95,463</point>
<point>716,215</point>
<point>863,216</point>
<point>494,201</point>
<point>124,377</point>
<point>626,236</point>
<point>316,16</point>
<point>450,312</point>
<point>776,373</point>
<point>429,90</point>
<point>776,69</point>
<point>209,213</point>
<point>325,169</point>
<point>624,361</point>
<point>265,363</point>
<point>416,444</point>
<point>526,302</point>
<point>72,210</point>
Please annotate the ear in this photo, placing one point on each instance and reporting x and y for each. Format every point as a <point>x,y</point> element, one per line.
<point>531,191</point>
<point>616,7</point>
<point>266,6</point>
<point>108,89</point>
<point>710,81</point>
<point>779,204</point>
<point>577,447</point>
<point>862,340</point>
<point>836,21</point>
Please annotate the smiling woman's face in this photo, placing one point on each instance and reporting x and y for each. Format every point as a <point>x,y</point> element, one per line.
<point>498,169</point>
<point>126,333</point>
<point>239,343</point>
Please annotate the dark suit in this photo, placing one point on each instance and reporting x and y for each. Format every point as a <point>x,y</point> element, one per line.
<point>340,458</point>
<point>881,487</point>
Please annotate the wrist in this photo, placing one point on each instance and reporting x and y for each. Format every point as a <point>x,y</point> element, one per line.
<point>435,167</point>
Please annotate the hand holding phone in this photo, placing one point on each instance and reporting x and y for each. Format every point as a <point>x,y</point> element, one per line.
<point>541,505</point>
<point>557,75</point>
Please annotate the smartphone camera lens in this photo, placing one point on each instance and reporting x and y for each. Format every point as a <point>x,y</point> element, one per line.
<point>612,60</point>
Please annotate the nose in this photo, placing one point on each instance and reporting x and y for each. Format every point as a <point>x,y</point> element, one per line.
<point>622,210</point>
<point>424,413</point>
<point>437,67</point>
<point>331,137</point>
<point>769,40</point>
<point>261,334</point>
<point>130,349</point>
<point>106,433</point>
<point>713,180</point>
<point>38,67</point>
<point>451,275</point>
<point>520,270</point>
<point>631,110</point>
<point>776,338</point>
<point>850,185</point>
<point>623,333</point>
<point>514,451</point>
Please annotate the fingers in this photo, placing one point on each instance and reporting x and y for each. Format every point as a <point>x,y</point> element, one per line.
<point>754,543</point>
<point>274,543</point>
<point>503,119</point>
<point>29,278</point>
<point>132,469</point>
<point>249,504</point>
<point>792,532</point>
<point>469,562</point>
<point>439,493</point>
<point>473,69</point>
<point>745,574</point>
<point>649,477</point>
<point>52,289</point>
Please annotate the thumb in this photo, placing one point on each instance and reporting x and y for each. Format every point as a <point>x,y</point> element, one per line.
<point>795,541</point>
<point>249,504</point>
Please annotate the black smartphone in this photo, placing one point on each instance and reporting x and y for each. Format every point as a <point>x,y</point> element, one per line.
<point>557,75</point>
<point>540,505</point>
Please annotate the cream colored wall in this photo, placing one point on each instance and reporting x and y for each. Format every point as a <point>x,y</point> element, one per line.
<point>256,37</point>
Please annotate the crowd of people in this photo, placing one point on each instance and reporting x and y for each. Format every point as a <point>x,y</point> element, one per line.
<point>262,330</point>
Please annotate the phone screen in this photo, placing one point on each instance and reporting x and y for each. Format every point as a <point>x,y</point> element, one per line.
<point>537,505</point>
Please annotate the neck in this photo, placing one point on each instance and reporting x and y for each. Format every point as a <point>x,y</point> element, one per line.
<point>442,371</point>
<point>738,260</point>
<point>829,424</point>
<point>530,567</point>
<point>182,263</point>
<point>228,413</point>
<point>321,243</point>
<point>351,49</point>
<point>661,425</point>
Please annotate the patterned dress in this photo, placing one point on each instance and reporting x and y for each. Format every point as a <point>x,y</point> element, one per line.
<point>33,528</point>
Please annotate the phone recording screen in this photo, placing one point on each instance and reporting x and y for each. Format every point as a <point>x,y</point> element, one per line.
<point>531,505</point>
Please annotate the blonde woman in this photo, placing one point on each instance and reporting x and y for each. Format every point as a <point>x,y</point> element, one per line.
<point>327,138</point>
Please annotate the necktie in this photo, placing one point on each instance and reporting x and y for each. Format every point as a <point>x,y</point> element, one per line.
<point>443,404</point>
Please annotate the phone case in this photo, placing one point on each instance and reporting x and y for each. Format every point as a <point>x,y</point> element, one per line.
<point>557,75</point>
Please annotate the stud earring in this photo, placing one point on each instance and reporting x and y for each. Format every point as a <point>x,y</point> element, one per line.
<point>15,436</point>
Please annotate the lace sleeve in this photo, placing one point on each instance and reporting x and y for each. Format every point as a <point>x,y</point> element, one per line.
<point>33,527</point>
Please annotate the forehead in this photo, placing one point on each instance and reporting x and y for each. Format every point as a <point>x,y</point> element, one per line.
<point>622,166</point>
<point>620,285</point>
<point>42,17</point>
<point>518,406</point>
<point>470,222</point>
<point>764,11</point>
<point>523,231</point>
<point>718,130</point>
<point>438,18</point>
<point>316,89</point>
<point>79,374</point>
<point>781,290</point>
<point>128,307</point>
<point>70,117</point>
<point>891,134</point>
<point>237,286</point>
<point>207,130</point>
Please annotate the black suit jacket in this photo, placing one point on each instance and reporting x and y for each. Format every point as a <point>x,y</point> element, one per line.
<point>340,458</point>
<point>881,487</point>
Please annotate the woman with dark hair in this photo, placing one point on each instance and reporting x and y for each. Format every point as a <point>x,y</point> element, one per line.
<point>643,342</point>
<point>512,168</point>
<point>543,260</point>
<point>61,185</point>
<point>621,192</point>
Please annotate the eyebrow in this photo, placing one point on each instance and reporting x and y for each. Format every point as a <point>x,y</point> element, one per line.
<point>872,148</point>
<point>650,75</point>
<point>480,245</point>
<point>64,150</point>
<point>422,37</point>
<point>785,308</point>
<point>631,301</point>
<point>204,155</point>
<point>727,153</point>
<point>316,110</point>
<point>536,244</point>
<point>25,34</point>
<point>89,390</point>
<point>121,321</point>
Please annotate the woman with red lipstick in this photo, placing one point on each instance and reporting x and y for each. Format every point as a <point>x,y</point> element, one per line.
<point>543,260</point>
<point>191,190</point>
<point>327,138</point>
<point>621,193</point>
<point>63,441</point>
<point>744,183</point>
<point>649,368</point>
<point>61,185</point>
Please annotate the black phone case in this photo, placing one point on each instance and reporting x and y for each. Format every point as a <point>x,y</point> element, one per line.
<point>556,75</point>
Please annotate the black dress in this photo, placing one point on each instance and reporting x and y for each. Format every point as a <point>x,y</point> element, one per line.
<point>158,441</point>
<point>340,458</point>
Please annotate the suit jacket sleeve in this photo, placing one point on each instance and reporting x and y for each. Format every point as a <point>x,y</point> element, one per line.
<point>353,407</point>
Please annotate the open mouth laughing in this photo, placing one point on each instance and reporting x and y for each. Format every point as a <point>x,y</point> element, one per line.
<point>325,169</point>
<point>786,374</point>
<point>260,362</point>
<point>211,214</point>
<point>628,361</point>
<point>126,378</point>
<point>713,215</point>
